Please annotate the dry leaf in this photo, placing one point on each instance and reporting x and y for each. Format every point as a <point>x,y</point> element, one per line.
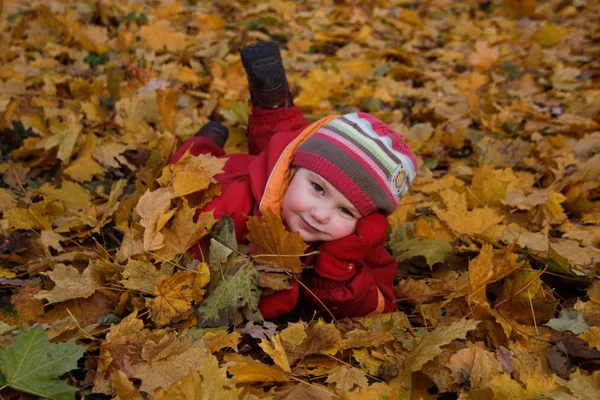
<point>273,244</point>
<point>70,284</point>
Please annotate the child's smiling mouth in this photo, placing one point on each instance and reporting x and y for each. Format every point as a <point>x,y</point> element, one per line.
<point>307,226</point>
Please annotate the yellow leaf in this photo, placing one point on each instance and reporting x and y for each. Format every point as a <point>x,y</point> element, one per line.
<point>479,363</point>
<point>504,388</point>
<point>430,345</point>
<point>150,208</point>
<point>221,339</point>
<point>187,176</point>
<point>550,34</point>
<point>480,271</point>
<point>200,281</point>
<point>7,273</point>
<point>51,239</point>
<point>170,364</point>
<point>85,168</point>
<point>141,275</point>
<point>39,215</point>
<point>484,57</point>
<point>479,221</point>
<point>186,75</point>
<point>411,17</point>
<point>592,336</point>
<point>162,36</point>
<point>70,284</point>
<point>64,137</point>
<point>173,299</point>
<point>256,372</point>
<point>6,201</point>
<point>405,208</point>
<point>345,378</point>
<point>112,205</point>
<point>124,388</point>
<point>361,338</point>
<point>72,195</point>
<point>166,100</point>
<point>276,352</point>
<point>489,185</point>
<point>554,206</point>
<point>273,244</point>
<point>294,334</point>
<point>184,232</point>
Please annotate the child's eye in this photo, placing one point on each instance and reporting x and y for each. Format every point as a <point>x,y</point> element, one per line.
<point>346,211</point>
<point>318,188</point>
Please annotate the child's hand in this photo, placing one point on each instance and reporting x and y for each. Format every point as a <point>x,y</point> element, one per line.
<point>340,258</point>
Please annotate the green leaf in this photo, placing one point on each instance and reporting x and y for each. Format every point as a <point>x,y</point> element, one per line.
<point>568,319</point>
<point>224,232</point>
<point>434,251</point>
<point>33,364</point>
<point>237,291</point>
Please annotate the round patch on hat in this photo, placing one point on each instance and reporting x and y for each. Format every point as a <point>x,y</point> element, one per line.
<point>399,180</point>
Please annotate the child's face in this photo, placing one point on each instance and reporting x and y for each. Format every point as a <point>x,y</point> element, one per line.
<point>317,210</point>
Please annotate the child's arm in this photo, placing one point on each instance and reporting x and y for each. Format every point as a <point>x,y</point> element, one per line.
<point>350,272</point>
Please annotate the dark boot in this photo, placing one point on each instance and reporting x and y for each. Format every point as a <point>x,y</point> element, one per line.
<point>266,76</point>
<point>214,131</point>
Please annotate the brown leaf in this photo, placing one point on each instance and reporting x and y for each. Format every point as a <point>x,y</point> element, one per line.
<point>255,372</point>
<point>276,352</point>
<point>173,299</point>
<point>430,344</point>
<point>345,378</point>
<point>273,244</point>
<point>479,363</point>
<point>70,284</point>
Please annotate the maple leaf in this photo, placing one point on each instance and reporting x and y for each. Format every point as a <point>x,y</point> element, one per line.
<point>183,232</point>
<point>430,345</point>
<point>210,383</point>
<point>273,244</point>
<point>34,365</point>
<point>479,363</point>
<point>238,291</point>
<point>124,388</point>
<point>70,284</point>
<point>256,372</point>
<point>174,296</point>
<point>172,363</point>
<point>64,137</point>
<point>433,251</point>
<point>277,353</point>
<point>481,221</point>
<point>345,378</point>
<point>592,336</point>
<point>152,207</point>
<point>84,168</point>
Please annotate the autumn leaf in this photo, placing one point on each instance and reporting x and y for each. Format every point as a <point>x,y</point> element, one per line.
<point>34,365</point>
<point>273,244</point>
<point>277,353</point>
<point>237,292</point>
<point>70,284</point>
<point>257,372</point>
<point>479,363</point>
<point>345,378</point>
<point>174,296</point>
<point>430,344</point>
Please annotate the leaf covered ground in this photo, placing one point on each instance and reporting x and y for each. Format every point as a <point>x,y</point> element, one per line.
<point>497,242</point>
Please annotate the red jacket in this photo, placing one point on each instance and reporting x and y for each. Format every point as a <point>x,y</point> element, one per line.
<point>363,289</point>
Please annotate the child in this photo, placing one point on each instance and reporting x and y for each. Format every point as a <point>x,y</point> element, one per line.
<point>332,181</point>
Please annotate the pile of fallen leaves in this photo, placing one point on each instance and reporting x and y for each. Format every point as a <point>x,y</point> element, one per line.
<point>496,243</point>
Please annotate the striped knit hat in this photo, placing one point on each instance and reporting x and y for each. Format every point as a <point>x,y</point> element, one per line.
<point>363,158</point>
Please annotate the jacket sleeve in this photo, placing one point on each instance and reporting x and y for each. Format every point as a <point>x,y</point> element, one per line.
<point>368,289</point>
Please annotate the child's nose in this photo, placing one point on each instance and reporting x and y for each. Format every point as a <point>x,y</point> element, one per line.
<point>320,214</point>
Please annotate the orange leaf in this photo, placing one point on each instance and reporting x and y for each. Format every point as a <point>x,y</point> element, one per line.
<point>274,245</point>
